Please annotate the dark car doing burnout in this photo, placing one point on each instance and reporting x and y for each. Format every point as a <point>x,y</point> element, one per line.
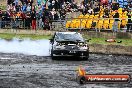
<point>69,44</point>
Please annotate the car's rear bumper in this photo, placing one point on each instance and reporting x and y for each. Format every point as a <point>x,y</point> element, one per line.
<point>71,53</point>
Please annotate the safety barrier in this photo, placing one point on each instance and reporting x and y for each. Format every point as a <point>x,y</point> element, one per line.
<point>89,24</point>
<point>27,24</point>
<point>12,24</point>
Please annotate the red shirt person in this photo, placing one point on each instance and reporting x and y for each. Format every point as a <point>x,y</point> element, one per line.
<point>33,18</point>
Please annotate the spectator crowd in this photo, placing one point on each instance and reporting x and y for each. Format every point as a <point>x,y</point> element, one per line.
<point>43,12</point>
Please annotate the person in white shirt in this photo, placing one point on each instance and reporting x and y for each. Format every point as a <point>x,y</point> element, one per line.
<point>90,11</point>
<point>29,8</point>
<point>53,12</point>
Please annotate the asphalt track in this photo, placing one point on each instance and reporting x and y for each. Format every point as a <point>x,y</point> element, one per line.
<point>30,71</point>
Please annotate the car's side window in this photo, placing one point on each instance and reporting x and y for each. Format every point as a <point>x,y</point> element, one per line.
<point>57,36</point>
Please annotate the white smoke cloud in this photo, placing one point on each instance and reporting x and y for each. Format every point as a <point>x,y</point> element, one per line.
<point>26,46</point>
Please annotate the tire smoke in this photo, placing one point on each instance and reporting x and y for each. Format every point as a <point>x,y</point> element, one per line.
<point>26,46</point>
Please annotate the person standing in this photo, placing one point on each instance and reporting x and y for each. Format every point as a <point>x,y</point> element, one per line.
<point>33,18</point>
<point>27,20</point>
<point>23,16</point>
<point>116,19</point>
<point>43,19</point>
<point>0,17</point>
<point>24,8</point>
<point>28,9</point>
<point>129,23</point>
<point>62,14</point>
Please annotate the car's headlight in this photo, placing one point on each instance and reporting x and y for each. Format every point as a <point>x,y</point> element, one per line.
<point>80,44</point>
<point>59,46</point>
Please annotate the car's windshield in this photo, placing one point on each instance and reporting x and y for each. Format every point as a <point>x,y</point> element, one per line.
<point>69,37</point>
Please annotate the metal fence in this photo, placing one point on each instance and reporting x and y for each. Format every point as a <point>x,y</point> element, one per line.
<point>63,25</point>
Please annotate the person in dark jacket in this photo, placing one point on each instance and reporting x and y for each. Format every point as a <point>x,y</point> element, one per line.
<point>129,23</point>
<point>43,19</point>
<point>115,6</point>
<point>23,16</point>
<point>33,18</point>
<point>46,19</point>
<point>0,17</point>
<point>62,14</point>
<point>5,19</point>
<point>28,20</point>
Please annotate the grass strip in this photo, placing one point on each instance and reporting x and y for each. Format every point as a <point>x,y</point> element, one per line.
<point>125,42</point>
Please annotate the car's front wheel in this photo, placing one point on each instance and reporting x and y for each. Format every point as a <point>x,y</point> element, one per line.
<point>52,56</point>
<point>86,57</point>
